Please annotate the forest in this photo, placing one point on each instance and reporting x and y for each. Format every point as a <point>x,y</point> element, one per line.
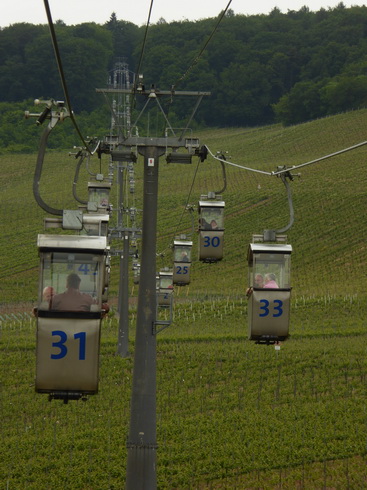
<point>262,69</point>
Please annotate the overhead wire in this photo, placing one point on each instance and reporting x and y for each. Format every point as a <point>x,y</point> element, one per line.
<point>293,167</point>
<point>196,59</point>
<point>61,72</point>
<point>142,52</point>
<point>237,165</point>
<point>185,208</point>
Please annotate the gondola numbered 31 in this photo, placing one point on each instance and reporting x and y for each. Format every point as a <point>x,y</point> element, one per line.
<point>69,313</point>
<point>269,292</point>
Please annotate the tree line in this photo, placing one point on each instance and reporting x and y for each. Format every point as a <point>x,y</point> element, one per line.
<point>260,69</point>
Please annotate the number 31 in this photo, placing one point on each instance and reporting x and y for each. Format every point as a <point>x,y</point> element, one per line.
<point>60,344</point>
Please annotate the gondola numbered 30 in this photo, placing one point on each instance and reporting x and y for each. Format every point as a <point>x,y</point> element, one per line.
<point>69,313</point>
<point>211,229</point>
<point>269,292</point>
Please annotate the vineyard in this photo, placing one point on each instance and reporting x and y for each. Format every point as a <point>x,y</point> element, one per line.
<point>230,414</point>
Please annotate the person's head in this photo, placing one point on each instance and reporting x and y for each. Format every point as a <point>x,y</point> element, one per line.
<point>47,293</point>
<point>269,277</point>
<point>213,224</point>
<point>73,281</point>
<point>259,281</point>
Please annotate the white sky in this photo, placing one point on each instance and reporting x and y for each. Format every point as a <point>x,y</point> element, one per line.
<point>136,11</point>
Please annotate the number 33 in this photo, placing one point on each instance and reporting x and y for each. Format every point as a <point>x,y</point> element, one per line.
<point>278,311</point>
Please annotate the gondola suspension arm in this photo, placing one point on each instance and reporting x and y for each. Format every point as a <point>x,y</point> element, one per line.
<point>55,117</point>
<point>284,176</point>
<point>222,159</point>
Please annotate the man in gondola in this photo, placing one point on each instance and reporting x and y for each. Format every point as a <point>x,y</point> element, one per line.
<point>72,299</point>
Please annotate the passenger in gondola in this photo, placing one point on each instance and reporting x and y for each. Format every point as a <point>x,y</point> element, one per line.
<point>258,283</point>
<point>72,299</point>
<point>204,225</point>
<point>270,281</point>
<point>184,257</point>
<point>213,224</point>
<point>48,293</point>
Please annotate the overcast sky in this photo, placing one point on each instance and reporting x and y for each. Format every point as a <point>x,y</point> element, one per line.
<point>136,11</point>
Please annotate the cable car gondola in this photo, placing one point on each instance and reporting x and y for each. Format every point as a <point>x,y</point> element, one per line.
<point>182,261</point>
<point>211,228</point>
<point>99,200</point>
<point>73,275</point>
<point>269,292</point>
<point>165,288</point>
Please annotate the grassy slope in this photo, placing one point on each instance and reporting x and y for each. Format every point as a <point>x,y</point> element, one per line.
<point>329,201</point>
<point>230,414</point>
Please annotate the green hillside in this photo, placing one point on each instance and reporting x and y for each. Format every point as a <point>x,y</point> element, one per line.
<point>329,204</point>
<point>230,414</point>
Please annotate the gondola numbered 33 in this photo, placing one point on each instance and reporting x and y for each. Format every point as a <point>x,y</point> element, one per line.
<point>269,292</point>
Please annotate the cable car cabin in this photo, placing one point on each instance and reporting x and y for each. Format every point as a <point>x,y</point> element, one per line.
<point>269,292</point>
<point>165,288</point>
<point>211,230</point>
<point>98,196</point>
<point>136,269</point>
<point>182,262</point>
<point>73,276</point>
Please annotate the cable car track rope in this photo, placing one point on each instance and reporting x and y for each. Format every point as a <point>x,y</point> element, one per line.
<point>185,208</point>
<point>196,59</point>
<point>293,167</point>
<point>61,72</point>
<point>142,50</point>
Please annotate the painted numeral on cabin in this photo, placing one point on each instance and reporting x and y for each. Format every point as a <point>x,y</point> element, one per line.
<point>63,350</point>
<point>277,307</point>
<point>86,269</point>
<point>182,270</point>
<point>211,242</point>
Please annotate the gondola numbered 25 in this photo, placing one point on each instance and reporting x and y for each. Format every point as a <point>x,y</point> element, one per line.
<point>69,312</point>
<point>269,292</point>
<point>181,261</point>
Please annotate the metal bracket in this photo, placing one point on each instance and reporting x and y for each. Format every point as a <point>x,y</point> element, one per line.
<point>165,323</point>
<point>66,396</point>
